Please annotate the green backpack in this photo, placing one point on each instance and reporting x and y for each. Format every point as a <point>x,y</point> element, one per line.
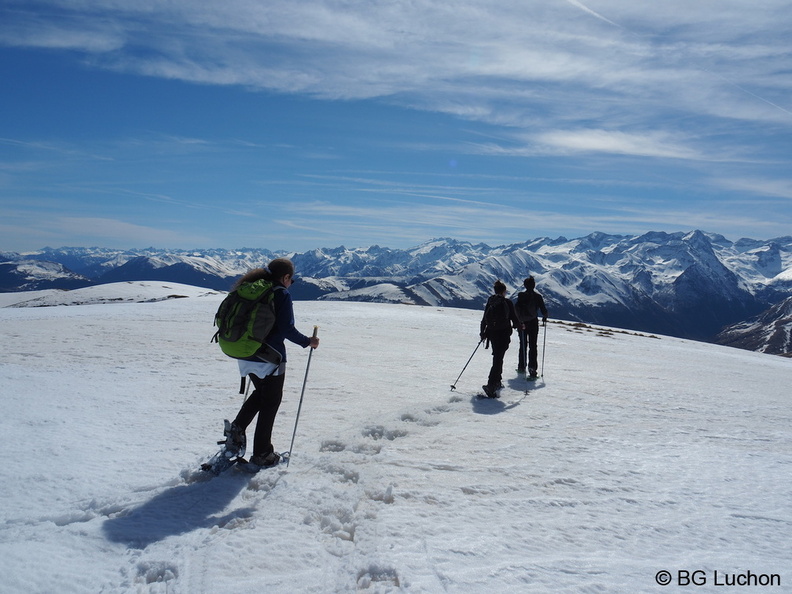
<point>245,318</point>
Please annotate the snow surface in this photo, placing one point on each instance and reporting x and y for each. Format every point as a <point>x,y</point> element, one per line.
<point>635,454</point>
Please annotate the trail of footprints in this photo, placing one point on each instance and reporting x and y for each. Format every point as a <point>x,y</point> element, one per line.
<point>353,508</point>
<point>346,514</point>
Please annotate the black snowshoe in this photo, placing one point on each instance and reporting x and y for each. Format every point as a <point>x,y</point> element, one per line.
<point>231,452</point>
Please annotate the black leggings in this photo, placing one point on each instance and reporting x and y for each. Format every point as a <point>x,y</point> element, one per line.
<point>500,344</point>
<point>528,346</point>
<point>264,401</point>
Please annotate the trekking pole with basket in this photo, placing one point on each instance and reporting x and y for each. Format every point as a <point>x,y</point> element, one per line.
<point>453,386</point>
<point>302,393</point>
<point>544,342</point>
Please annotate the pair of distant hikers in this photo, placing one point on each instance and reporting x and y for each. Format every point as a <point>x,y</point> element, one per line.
<point>500,317</point>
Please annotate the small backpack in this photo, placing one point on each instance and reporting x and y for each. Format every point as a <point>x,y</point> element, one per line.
<point>497,313</point>
<point>245,318</point>
<point>526,306</point>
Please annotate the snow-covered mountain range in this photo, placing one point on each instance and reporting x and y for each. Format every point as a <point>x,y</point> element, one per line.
<point>691,285</point>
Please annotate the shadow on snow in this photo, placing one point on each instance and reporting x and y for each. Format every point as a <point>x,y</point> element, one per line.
<point>178,510</point>
<point>492,406</point>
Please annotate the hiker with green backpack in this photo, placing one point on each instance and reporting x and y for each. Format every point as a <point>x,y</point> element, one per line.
<point>265,291</point>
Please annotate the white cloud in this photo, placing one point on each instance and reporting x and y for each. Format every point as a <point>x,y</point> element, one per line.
<point>777,188</point>
<point>618,143</point>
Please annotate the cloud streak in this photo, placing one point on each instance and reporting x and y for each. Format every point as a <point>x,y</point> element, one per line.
<point>420,52</point>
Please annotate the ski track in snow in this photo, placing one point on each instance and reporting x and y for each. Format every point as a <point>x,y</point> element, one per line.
<point>634,454</point>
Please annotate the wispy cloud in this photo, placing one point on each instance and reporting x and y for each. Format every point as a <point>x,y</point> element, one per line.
<point>510,54</point>
<point>653,144</point>
<point>778,188</point>
<point>104,231</point>
<point>51,28</point>
<point>499,223</point>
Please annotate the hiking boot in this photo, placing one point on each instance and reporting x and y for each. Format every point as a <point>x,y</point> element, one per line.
<point>265,460</point>
<point>521,370</point>
<point>490,391</point>
<point>532,373</point>
<point>235,440</point>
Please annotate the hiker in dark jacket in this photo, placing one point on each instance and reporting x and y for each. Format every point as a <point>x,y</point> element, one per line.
<point>529,305</point>
<point>268,376</point>
<point>496,327</point>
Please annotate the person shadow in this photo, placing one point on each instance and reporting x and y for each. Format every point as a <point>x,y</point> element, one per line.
<point>178,510</point>
<point>493,406</point>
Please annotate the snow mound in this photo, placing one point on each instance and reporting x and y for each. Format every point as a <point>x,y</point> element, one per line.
<point>122,292</point>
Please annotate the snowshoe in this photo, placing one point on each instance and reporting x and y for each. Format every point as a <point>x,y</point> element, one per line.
<point>235,440</point>
<point>231,452</point>
<point>260,462</point>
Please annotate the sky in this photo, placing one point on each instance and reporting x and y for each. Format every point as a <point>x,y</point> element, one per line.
<point>295,125</point>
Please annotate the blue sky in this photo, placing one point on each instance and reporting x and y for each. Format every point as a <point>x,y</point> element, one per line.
<point>295,125</point>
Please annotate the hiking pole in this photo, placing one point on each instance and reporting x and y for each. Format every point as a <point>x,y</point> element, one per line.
<point>453,386</point>
<point>302,393</point>
<point>544,342</point>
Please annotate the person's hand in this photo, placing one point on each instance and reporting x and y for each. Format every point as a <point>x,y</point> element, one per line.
<point>314,342</point>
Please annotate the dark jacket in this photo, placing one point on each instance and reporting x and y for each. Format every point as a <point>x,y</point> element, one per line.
<point>505,310</point>
<point>529,304</point>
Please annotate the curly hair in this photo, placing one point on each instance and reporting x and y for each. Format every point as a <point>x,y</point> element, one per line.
<point>275,270</point>
<point>280,267</point>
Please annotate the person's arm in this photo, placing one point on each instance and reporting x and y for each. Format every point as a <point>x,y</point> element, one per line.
<point>285,321</point>
<point>516,323</point>
<point>542,307</point>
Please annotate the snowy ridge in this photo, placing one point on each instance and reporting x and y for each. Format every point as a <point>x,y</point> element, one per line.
<point>634,455</point>
<point>30,274</point>
<point>770,332</point>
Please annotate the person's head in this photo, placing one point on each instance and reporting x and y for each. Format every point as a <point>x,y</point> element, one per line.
<point>282,270</point>
<point>529,283</point>
<point>499,288</point>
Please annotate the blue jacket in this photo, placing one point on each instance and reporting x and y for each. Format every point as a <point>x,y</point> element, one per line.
<point>284,323</point>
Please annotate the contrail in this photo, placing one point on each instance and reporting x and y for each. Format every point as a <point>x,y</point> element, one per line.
<point>582,6</point>
<point>746,91</point>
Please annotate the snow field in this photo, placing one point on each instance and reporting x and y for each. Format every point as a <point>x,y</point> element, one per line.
<point>634,455</point>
